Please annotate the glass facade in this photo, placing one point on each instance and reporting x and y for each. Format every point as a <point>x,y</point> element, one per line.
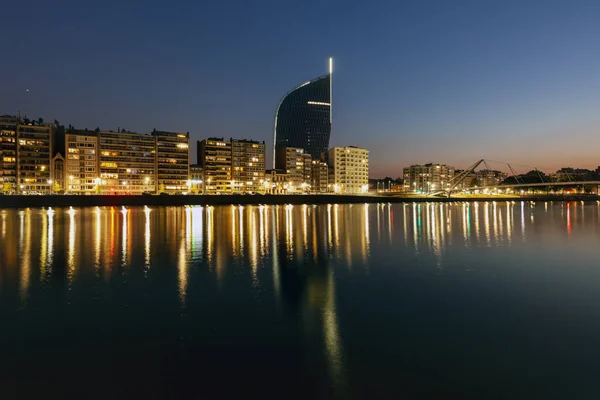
<point>303,118</point>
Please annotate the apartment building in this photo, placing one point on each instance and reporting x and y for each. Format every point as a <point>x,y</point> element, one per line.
<point>298,165</point>
<point>127,163</point>
<point>248,165</point>
<point>34,155</point>
<point>350,169</point>
<point>320,174</point>
<point>214,156</point>
<point>81,162</point>
<point>172,161</point>
<point>427,178</point>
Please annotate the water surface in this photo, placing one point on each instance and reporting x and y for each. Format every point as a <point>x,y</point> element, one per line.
<point>471,300</point>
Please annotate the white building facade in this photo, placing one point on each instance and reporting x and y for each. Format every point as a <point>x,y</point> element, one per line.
<point>350,169</point>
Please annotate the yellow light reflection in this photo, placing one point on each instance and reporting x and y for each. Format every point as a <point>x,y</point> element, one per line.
<point>124,237</point>
<point>97,240</point>
<point>44,246</point>
<point>182,272</point>
<point>25,252</point>
<point>50,216</point>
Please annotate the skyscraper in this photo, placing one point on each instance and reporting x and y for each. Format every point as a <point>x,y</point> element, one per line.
<point>303,117</point>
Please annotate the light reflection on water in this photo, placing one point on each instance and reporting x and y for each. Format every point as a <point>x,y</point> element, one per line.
<point>294,256</point>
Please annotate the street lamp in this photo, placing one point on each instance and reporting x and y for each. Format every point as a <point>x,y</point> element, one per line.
<point>71,182</point>
<point>50,185</point>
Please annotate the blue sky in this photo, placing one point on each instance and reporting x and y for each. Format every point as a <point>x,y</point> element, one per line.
<point>414,81</point>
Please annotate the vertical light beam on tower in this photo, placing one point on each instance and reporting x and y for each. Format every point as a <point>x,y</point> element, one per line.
<point>330,90</point>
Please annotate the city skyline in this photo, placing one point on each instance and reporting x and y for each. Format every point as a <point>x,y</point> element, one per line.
<point>415,82</point>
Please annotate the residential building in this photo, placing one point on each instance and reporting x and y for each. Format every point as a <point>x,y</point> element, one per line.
<point>58,173</point>
<point>172,161</point>
<point>303,118</point>
<point>350,169</point>
<point>248,165</point>
<point>196,181</point>
<point>298,165</point>
<point>8,153</point>
<point>487,177</point>
<point>81,162</point>
<point>214,156</point>
<point>320,172</point>
<point>127,163</point>
<point>277,181</point>
<point>34,155</point>
<point>427,178</point>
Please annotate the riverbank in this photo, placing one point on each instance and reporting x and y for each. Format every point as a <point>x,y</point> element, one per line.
<point>90,201</point>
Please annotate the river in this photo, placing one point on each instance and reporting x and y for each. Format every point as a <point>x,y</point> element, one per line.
<point>428,300</point>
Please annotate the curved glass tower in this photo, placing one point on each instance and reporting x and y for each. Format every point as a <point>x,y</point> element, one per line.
<point>303,118</point>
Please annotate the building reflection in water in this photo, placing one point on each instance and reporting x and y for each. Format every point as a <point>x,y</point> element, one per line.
<point>300,248</point>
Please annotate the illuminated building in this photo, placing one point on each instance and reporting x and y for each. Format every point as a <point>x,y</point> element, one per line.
<point>214,156</point>
<point>172,161</point>
<point>488,177</point>
<point>34,154</point>
<point>303,118</point>
<point>298,165</point>
<point>196,182</point>
<point>427,178</point>
<point>248,165</point>
<point>81,162</point>
<point>58,173</point>
<point>277,181</point>
<point>127,163</point>
<point>350,169</point>
<point>320,175</point>
<point>8,153</point>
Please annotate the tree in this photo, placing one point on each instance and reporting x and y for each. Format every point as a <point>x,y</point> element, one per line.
<point>40,120</point>
<point>474,182</point>
<point>194,189</point>
<point>57,188</point>
<point>161,188</point>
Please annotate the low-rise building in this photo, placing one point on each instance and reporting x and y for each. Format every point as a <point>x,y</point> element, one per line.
<point>350,169</point>
<point>196,181</point>
<point>277,182</point>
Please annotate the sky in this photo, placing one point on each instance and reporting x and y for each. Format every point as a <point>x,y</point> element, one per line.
<point>414,81</point>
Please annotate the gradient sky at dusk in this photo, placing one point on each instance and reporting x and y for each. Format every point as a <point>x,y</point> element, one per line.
<point>414,81</point>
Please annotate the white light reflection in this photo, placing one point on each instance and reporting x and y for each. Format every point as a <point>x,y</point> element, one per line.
<point>97,241</point>
<point>147,237</point>
<point>50,216</point>
<point>71,250</point>
<point>124,237</point>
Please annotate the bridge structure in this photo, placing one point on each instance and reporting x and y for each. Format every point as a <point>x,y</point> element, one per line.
<point>455,184</point>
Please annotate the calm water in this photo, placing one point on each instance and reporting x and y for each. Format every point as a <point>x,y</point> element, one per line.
<point>471,300</point>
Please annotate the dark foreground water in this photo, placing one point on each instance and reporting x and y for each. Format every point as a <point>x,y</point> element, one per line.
<point>463,300</point>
